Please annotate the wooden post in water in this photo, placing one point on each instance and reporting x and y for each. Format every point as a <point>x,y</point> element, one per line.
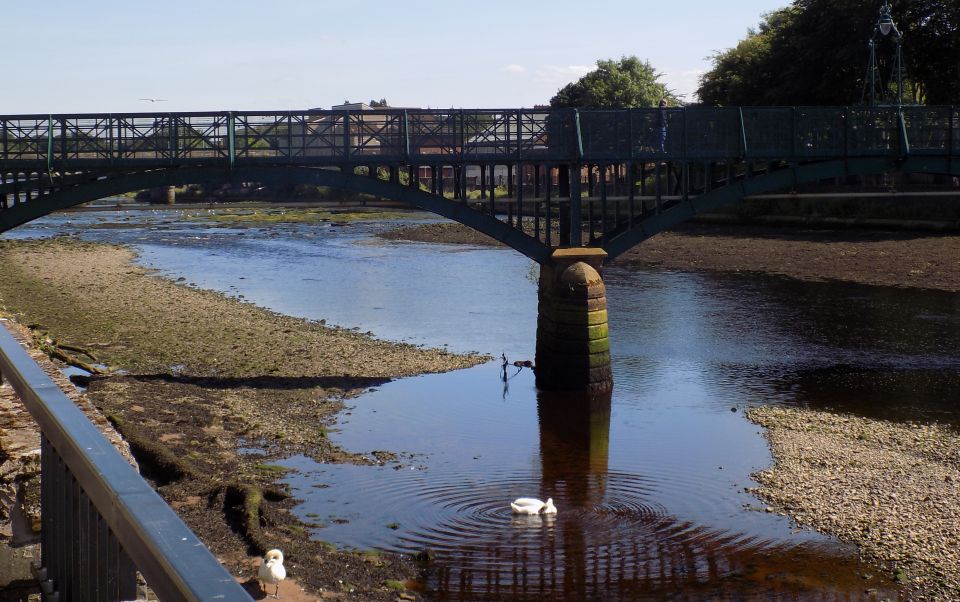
<point>573,345</point>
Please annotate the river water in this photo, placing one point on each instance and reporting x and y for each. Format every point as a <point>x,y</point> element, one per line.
<point>650,484</point>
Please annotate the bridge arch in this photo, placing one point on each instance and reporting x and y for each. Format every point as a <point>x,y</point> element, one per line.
<point>114,184</point>
<point>780,179</point>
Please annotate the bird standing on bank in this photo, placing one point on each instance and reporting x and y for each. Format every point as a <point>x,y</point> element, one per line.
<point>272,571</point>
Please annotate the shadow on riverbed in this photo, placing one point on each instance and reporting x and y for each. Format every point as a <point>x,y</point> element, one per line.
<point>836,234</point>
<point>264,382</point>
<point>904,395</point>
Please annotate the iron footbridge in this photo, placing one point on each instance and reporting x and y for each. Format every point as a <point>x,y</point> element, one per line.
<point>532,179</point>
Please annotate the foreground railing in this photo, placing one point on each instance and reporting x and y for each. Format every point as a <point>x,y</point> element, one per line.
<point>101,522</point>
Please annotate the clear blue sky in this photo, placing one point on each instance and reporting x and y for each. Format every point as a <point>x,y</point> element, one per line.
<point>104,55</point>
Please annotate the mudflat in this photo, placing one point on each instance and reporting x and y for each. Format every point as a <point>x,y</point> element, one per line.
<point>884,258</point>
<point>202,375</point>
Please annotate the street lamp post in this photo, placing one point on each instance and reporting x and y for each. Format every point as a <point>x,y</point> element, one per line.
<point>883,28</point>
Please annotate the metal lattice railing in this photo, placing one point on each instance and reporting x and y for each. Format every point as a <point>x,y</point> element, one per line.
<point>101,522</point>
<point>459,136</point>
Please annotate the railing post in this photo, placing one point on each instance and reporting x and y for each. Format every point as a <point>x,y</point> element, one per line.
<point>290,135</point>
<point>346,135</point>
<point>406,137</point>
<point>117,139</point>
<point>50,144</point>
<point>63,139</point>
<point>519,135</point>
<point>579,136</point>
<point>462,141</point>
<point>175,138</point>
<point>744,151</point>
<point>904,139</point>
<point>231,129</point>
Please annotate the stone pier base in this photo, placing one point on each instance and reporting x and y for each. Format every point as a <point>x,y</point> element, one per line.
<point>573,348</point>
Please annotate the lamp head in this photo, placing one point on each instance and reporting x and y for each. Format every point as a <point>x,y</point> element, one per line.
<point>885,24</point>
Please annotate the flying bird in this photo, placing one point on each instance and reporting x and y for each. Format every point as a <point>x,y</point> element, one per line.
<point>272,571</point>
<point>154,99</point>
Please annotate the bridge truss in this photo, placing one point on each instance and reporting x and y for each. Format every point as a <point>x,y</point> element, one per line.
<point>597,178</point>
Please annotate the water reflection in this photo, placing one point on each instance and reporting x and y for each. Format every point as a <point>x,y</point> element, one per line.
<point>609,541</point>
<point>650,485</point>
<point>574,445</point>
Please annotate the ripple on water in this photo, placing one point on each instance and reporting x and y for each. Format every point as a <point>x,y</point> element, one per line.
<point>610,537</point>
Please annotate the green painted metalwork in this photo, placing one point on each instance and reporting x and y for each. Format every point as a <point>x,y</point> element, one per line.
<point>50,144</point>
<point>707,153</point>
<point>231,130</point>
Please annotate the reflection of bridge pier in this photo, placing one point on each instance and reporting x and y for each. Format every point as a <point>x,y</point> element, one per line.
<point>574,445</point>
<point>574,451</point>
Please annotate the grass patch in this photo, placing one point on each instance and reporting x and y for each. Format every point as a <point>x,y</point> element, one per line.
<point>274,469</point>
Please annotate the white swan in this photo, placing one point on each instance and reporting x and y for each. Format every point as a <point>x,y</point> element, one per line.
<point>531,505</point>
<point>272,571</point>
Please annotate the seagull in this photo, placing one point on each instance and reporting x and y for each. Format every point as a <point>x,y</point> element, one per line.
<point>272,571</point>
<point>531,505</point>
<point>154,99</point>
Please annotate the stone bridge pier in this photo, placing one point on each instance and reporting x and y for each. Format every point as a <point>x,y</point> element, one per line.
<point>573,345</point>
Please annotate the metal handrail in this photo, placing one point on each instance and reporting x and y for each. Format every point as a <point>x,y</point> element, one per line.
<point>174,562</point>
<point>62,142</point>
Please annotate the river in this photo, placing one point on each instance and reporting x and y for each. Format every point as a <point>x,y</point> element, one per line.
<point>651,485</point>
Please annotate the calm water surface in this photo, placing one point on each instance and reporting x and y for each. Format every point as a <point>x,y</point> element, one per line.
<point>650,484</point>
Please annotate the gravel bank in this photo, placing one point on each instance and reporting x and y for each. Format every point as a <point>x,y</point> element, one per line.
<point>892,489</point>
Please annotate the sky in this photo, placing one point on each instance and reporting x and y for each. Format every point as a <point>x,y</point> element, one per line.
<point>103,56</point>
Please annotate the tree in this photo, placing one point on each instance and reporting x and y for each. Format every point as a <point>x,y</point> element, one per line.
<point>379,104</point>
<point>814,52</point>
<point>747,74</point>
<point>626,83</point>
<point>932,49</point>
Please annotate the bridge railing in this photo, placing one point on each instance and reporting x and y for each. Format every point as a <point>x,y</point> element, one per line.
<point>101,522</point>
<point>459,136</point>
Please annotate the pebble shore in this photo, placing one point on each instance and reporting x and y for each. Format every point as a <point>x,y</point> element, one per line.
<point>893,489</point>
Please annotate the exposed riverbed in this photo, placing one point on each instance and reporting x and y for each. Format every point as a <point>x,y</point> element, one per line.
<point>651,486</point>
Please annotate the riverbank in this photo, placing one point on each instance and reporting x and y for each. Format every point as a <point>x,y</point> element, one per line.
<point>894,258</point>
<point>211,391</point>
<point>893,489</point>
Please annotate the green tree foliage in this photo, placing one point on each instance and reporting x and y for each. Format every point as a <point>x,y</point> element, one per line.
<point>814,52</point>
<point>932,48</point>
<point>747,73</point>
<point>626,83</point>
<point>379,104</point>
